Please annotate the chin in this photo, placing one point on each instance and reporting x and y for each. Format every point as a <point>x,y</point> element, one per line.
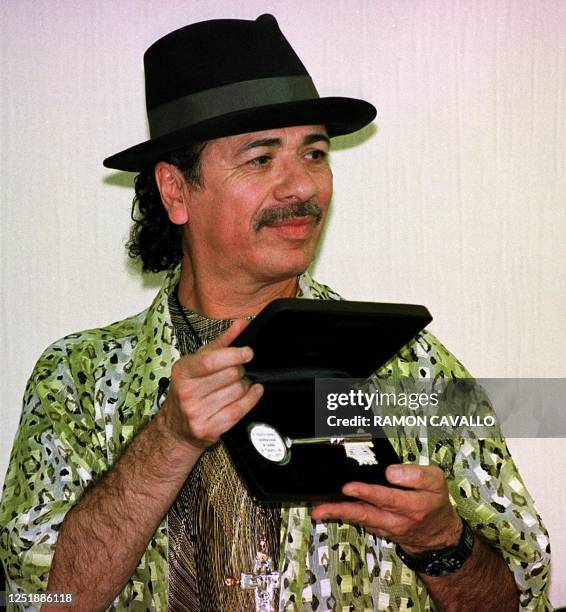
<point>289,267</point>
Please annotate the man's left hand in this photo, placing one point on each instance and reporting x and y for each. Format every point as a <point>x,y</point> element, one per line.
<point>420,517</point>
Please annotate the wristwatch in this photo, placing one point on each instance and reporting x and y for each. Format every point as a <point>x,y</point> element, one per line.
<point>441,562</point>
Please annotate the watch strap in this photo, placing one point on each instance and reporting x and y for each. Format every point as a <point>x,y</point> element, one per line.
<point>441,562</point>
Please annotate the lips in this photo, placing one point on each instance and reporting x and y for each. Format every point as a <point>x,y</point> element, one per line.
<point>292,221</point>
<point>295,228</point>
<point>280,215</point>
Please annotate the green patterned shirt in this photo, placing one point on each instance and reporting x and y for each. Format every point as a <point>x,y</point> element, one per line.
<point>92,391</point>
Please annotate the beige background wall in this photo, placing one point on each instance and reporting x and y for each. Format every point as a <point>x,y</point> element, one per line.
<point>456,200</point>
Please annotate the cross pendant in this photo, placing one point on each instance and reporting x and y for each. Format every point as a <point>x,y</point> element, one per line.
<point>264,580</point>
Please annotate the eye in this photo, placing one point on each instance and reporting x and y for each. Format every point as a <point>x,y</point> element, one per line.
<point>261,160</point>
<point>317,154</point>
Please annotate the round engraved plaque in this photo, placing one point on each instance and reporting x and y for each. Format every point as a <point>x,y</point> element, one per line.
<point>268,442</point>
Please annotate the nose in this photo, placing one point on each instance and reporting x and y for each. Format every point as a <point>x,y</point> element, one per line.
<point>294,182</point>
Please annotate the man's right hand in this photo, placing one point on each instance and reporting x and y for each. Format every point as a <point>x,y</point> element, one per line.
<point>103,537</point>
<point>209,392</point>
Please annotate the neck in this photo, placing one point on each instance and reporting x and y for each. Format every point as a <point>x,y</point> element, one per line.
<point>228,299</point>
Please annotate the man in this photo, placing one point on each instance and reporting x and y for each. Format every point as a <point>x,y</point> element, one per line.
<point>118,489</point>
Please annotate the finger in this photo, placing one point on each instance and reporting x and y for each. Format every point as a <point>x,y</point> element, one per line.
<point>225,395</point>
<point>204,396</point>
<point>386,523</point>
<point>377,495</point>
<point>401,504</point>
<point>419,477</point>
<point>225,418</point>
<point>226,338</point>
<point>207,385</point>
<point>351,512</point>
<point>210,362</point>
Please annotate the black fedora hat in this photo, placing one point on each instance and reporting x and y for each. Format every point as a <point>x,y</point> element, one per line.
<point>230,76</point>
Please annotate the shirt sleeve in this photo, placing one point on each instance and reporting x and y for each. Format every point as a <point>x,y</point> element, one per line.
<point>56,454</point>
<point>482,478</point>
<point>489,493</point>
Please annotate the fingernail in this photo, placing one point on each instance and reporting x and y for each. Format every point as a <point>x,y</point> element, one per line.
<point>259,389</point>
<point>396,473</point>
<point>351,491</point>
<point>247,353</point>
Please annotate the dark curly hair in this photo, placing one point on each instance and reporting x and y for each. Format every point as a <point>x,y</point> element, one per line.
<point>153,238</point>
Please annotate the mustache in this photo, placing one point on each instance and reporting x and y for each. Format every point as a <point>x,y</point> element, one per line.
<point>272,215</point>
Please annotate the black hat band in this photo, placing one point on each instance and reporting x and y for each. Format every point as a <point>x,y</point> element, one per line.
<point>226,99</point>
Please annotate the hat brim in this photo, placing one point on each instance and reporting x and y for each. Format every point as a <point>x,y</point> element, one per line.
<point>339,115</point>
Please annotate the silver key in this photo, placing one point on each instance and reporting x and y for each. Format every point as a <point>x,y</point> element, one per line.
<point>271,445</point>
<point>334,440</point>
<point>357,446</point>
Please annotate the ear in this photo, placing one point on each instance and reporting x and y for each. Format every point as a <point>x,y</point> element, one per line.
<point>174,192</point>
